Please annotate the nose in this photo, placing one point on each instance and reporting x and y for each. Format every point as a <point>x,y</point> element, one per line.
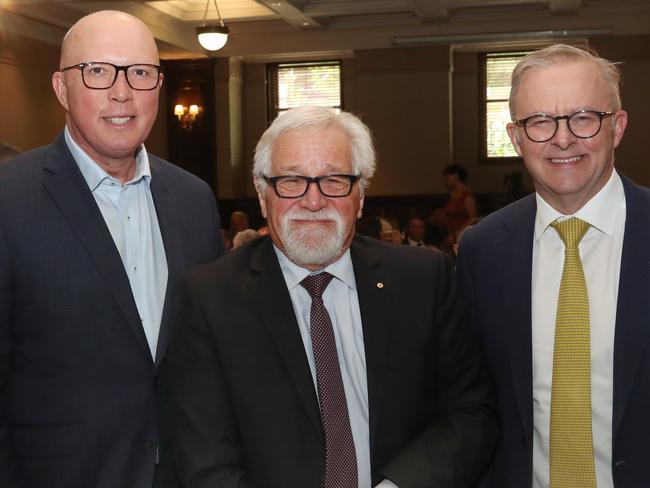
<point>313,200</point>
<point>121,91</point>
<point>563,137</point>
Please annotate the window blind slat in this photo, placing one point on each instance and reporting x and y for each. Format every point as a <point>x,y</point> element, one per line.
<point>498,71</point>
<point>308,84</point>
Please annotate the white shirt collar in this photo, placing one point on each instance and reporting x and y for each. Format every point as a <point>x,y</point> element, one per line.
<point>341,269</point>
<point>95,174</point>
<point>600,212</point>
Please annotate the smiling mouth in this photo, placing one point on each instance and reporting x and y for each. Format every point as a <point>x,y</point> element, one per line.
<point>118,120</point>
<point>572,159</point>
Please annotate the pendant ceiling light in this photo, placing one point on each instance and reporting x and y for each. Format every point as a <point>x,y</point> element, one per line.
<point>211,36</point>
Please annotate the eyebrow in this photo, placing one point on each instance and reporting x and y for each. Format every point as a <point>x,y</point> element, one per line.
<point>296,168</point>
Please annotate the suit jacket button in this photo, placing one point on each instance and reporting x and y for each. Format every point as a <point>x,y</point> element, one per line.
<point>149,447</point>
<point>156,382</point>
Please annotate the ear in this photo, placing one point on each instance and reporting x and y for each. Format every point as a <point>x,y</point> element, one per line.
<point>620,123</point>
<point>360,212</point>
<point>261,195</point>
<point>160,80</point>
<point>58,83</point>
<point>513,134</point>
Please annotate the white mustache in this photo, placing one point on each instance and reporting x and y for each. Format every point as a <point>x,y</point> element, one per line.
<point>322,214</point>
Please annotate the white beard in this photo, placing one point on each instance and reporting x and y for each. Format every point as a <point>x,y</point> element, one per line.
<point>311,245</point>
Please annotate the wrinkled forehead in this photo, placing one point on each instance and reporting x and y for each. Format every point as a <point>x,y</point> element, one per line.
<point>312,150</point>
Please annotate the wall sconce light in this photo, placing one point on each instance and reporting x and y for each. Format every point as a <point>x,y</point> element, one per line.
<point>186,115</point>
<point>212,37</point>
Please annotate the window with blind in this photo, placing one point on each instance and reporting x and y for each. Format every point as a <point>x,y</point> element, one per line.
<point>309,83</point>
<point>495,89</point>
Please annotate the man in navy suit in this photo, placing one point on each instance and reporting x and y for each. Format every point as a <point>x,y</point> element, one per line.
<point>567,122</point>
<point>94,235</point>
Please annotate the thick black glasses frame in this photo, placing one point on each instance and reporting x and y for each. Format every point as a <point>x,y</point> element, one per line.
<point>522,123</point>
<point>82,66</point>
<point>273,180</point>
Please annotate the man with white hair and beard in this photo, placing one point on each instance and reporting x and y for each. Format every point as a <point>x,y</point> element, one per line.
<point>317,358</point>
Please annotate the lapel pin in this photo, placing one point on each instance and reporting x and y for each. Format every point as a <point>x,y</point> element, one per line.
<point>380,285</point>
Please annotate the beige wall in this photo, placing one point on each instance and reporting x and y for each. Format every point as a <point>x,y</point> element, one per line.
<point>423,113</point>
<point>30,114</point>
<point>483,178</point>
<point>421,104</point>
<point>634,55</point>
<point>403,95</point>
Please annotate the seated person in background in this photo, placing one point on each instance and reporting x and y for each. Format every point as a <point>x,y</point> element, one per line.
<point>414,232</point>
<point>244,236</point>
<point>436,233</point>
<point>461,206</point>
<point>317,358</point>
<point>389,233</point>
<point>238,222</point>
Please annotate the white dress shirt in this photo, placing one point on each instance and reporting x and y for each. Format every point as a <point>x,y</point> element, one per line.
<point>600,253</point>
<point>342,303</point>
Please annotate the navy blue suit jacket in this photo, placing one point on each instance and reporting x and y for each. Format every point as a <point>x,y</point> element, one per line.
<point>494,270</point>
<point>78,385</point>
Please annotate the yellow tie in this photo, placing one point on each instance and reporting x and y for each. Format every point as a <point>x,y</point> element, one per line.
<point>571,444</point>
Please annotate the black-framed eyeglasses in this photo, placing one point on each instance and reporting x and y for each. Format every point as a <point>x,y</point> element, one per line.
<point>101,76</point>
<point>296,186</point>
<point>583,124</point>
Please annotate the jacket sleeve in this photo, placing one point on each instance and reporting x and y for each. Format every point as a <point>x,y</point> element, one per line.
<point>9,473</point>
<point>206,446</point>
<point>455,448</point>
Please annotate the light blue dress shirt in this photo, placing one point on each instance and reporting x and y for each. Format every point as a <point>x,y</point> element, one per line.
<point>130,215</point>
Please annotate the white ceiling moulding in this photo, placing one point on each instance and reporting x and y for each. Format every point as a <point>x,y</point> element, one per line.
<point>498,37</point>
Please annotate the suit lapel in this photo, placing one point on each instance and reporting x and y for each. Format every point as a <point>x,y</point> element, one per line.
<point>66,186</point>
<point>633,306</point>
<point>373,289</point>
<point>516,259</point>
<point>270,294</point>
<point>167,214</point>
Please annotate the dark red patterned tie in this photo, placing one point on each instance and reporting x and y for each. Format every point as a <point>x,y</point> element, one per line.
<point>340,456</point>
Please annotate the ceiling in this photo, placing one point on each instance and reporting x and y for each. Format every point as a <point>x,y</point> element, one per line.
<point>275,29</point>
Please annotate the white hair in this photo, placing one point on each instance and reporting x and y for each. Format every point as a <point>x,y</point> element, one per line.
<point>361,146</point>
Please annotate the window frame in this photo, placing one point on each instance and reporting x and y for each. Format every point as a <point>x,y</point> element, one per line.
<point>272,108</point>
<point>483,101</point>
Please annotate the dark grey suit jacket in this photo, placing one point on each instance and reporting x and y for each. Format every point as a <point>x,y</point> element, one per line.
<point>78,385</point>
<point>494,267</point>
<point>243,408</point>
